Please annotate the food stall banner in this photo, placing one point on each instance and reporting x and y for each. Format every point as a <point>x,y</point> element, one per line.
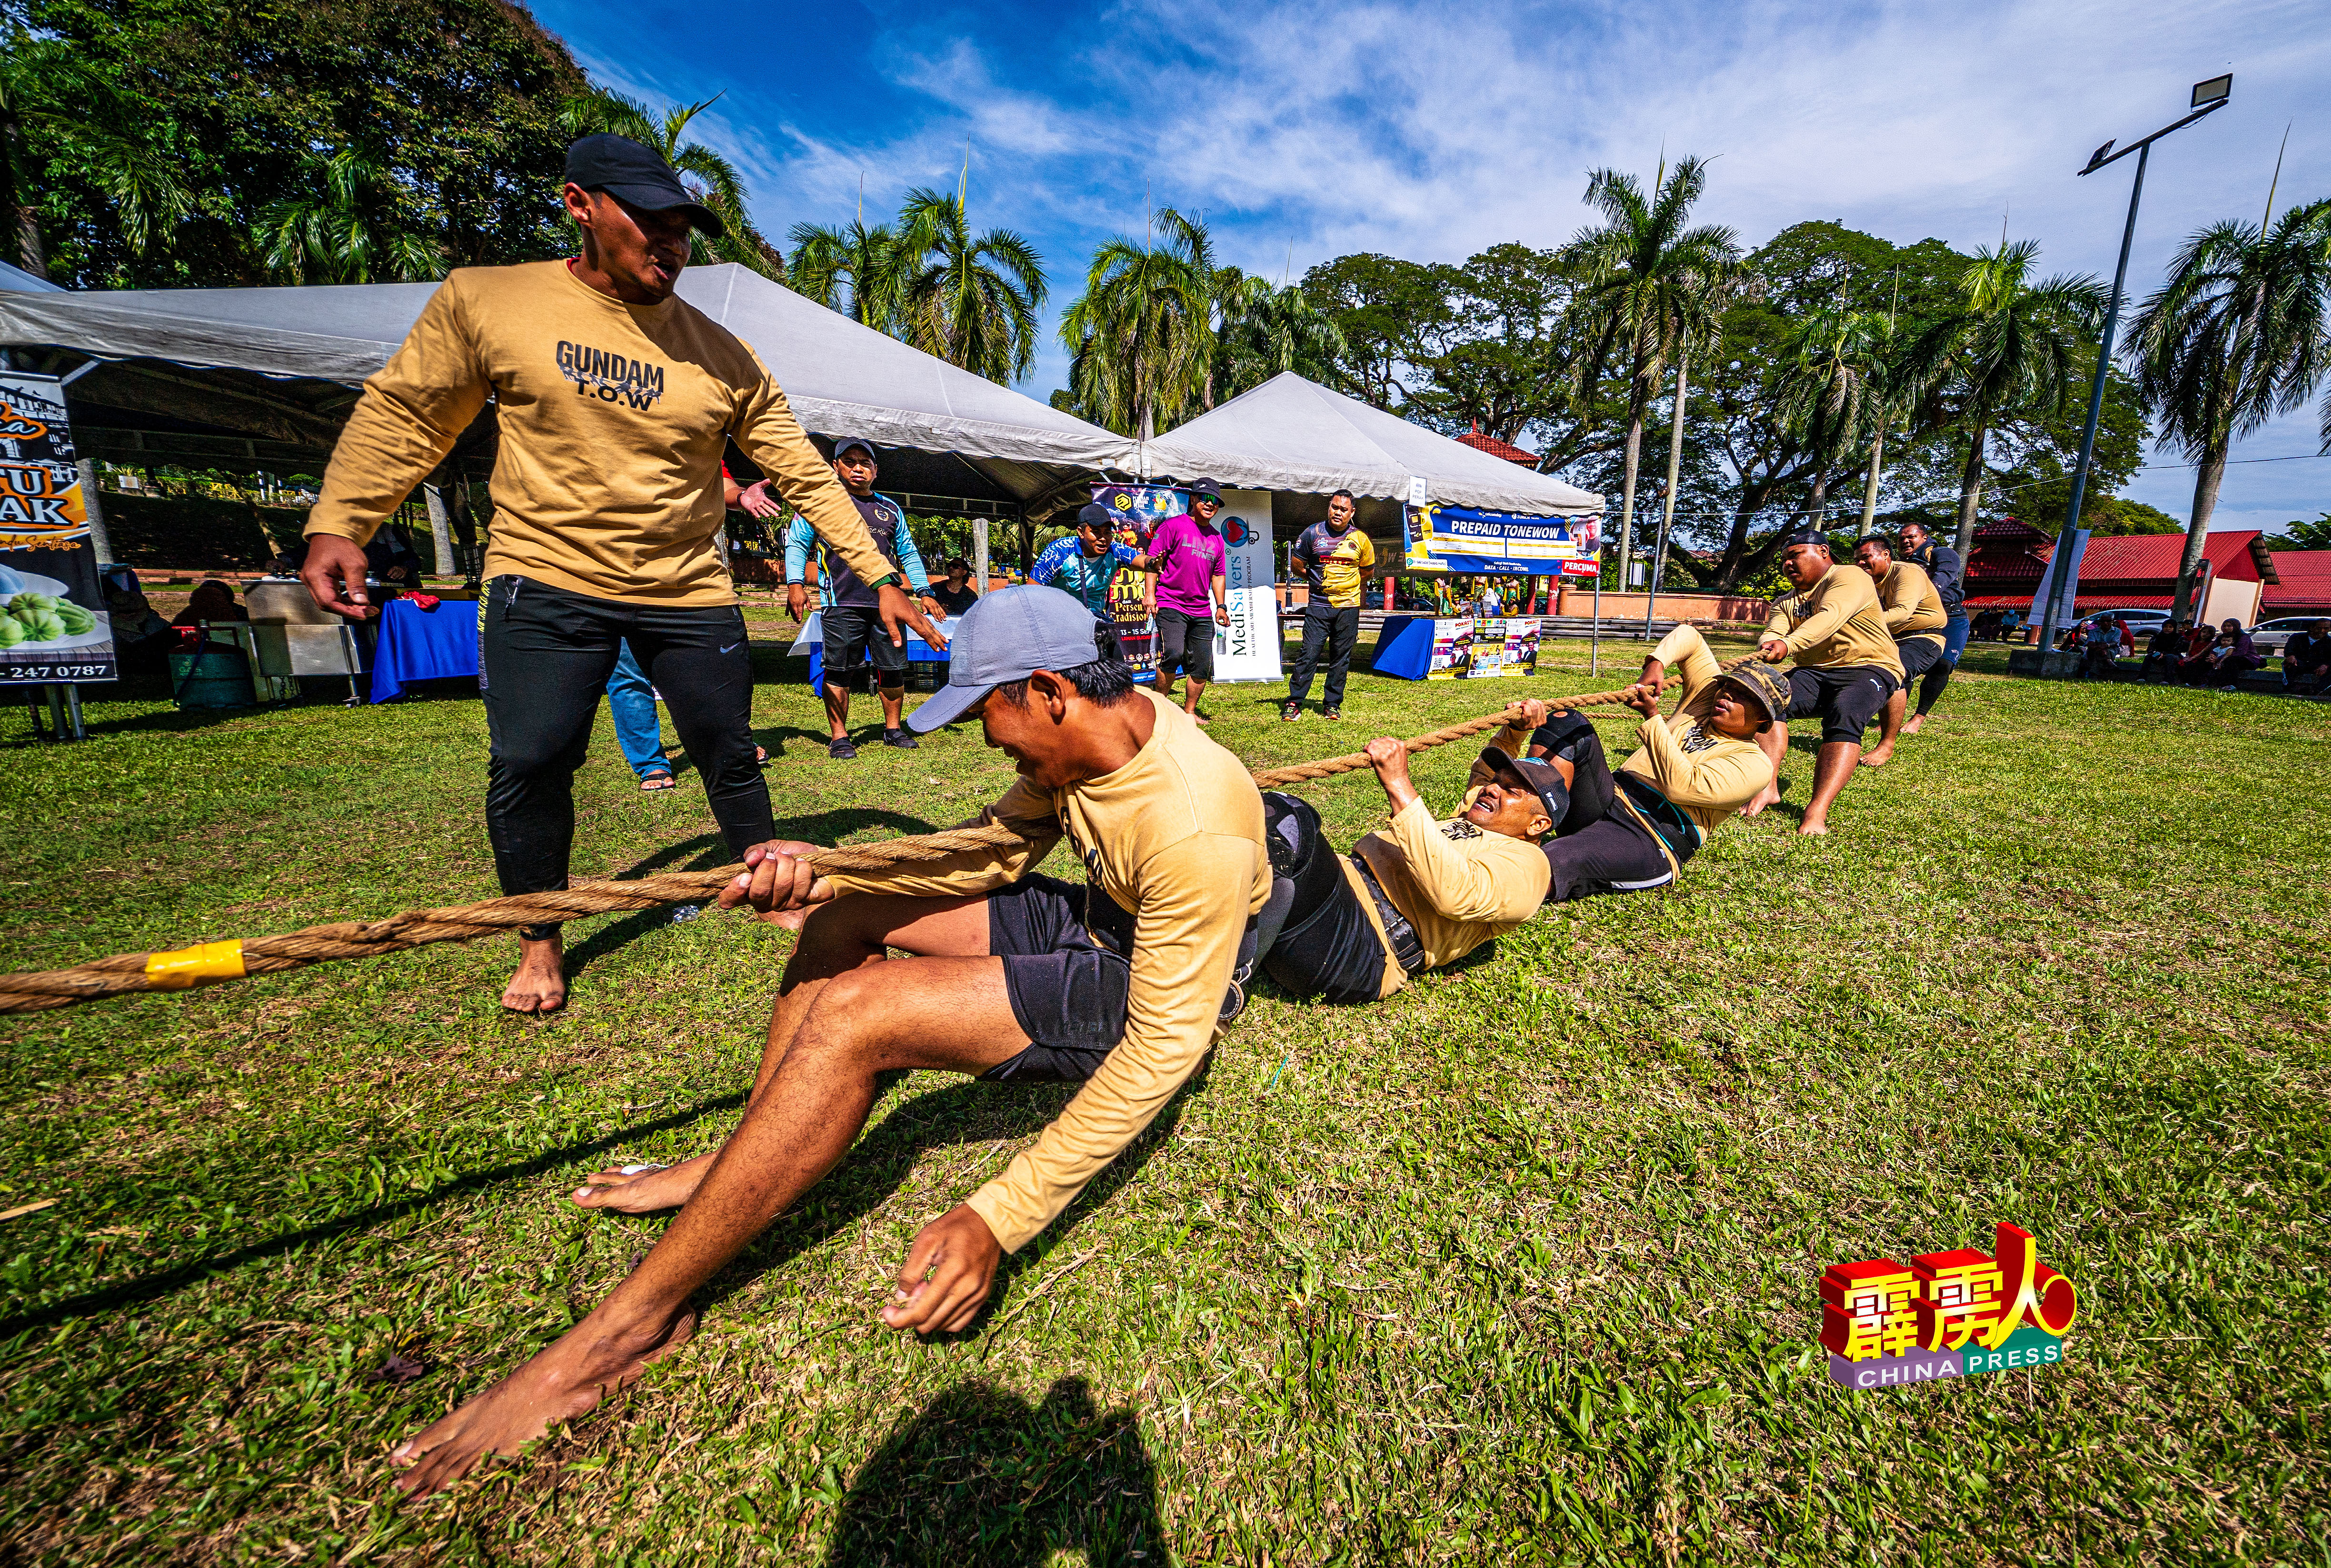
<point>1444,538</point>
<point>54,626</point>
<point>1137,509</point>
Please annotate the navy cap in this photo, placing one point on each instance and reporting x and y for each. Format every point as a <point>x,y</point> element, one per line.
<point>1206,488</point>
<point>1093,515</point>
<point>636,173</point>
<point>1009,636</point>
<point>860,443</point>
<point>1542,778</point>
<point>1807,537</point>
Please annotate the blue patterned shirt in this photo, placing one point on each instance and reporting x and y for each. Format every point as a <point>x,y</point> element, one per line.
<point>1065,566</point>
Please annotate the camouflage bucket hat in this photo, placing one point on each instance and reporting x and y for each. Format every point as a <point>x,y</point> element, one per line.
<point>1766,686</point>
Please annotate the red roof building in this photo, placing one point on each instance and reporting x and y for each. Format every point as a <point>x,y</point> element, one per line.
<point>2125,572</point>
<point>1495,448</point>
<point>2304,586</point>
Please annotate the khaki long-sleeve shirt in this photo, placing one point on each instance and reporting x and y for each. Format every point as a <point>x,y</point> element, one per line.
<point>1175,838</point>
<point>1836,624</point>
<point>1709,776</point>
<point>613,417</point>
<point>1458,886</point>
<point>1912,605</point>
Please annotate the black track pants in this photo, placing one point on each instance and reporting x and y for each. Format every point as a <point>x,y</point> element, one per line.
<point>1337,631</point>
<point>543,661</point>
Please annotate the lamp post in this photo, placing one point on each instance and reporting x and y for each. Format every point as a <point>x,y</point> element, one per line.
<point>2208,97</point>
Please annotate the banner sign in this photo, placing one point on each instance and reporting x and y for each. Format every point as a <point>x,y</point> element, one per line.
<point>1248,648</point>
<point>1957,1314</point>
<point>1474,647</point>
<point>1444,538</point>
<point>54,625</point>
<point>1137,509</point>
<point>1585,567</point>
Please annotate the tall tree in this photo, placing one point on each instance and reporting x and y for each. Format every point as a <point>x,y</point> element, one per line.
<point>968,299</point>
<point>1393,315</point>
<point>339,231</point>
<point>2234,335</point>
<point>718,184</point>
<point>1141,336</point>
<point>851,269</point>
<point>55,110</point>
<point>1649,277</point>
<point>2008,351</point>
<point>1261,331</point>
<point>1837,394</point>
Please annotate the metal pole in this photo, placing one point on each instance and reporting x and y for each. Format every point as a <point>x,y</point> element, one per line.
<point>1594,654</point>
<point>1675,463</point>
<point>979,555</point>
<point>2061,565</point>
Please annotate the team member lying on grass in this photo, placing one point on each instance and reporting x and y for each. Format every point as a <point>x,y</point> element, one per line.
<point>1554,825</point>
<point>1914,614</point>
<point>1120,984</point>
<point>1846,666</point>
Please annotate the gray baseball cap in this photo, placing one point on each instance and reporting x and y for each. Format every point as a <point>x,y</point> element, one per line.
<point>1009,636</point>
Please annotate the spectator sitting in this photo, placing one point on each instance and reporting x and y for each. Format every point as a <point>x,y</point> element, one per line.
<point>2100,646</point>
<point>2236,656</point>
<point>2200,651</point>
<point>2162,653</point>
<point>211,600</point>
<point>955,595</point>
<point>2011,626</point>
<point>2307,659</point>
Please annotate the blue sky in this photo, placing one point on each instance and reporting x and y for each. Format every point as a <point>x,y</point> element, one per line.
<point>1303,132</point>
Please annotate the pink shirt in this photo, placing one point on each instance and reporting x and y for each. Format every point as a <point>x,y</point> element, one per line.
<point>1193,554</point>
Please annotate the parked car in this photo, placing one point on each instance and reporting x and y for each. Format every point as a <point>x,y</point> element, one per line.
<point>2141,624</point>
<point>2268,636</point>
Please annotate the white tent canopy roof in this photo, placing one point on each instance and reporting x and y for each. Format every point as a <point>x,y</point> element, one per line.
<point>1293,434</point>
<point>840,375</point>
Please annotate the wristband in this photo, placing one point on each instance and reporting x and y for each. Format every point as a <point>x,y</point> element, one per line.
<point>887,580</point>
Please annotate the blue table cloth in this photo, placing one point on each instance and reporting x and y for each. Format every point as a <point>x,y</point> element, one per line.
<point>813,638</point>
<point>1404,647</point>
<point>417,644</point>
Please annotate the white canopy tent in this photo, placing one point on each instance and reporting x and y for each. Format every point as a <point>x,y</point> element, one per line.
<point>842,377</point>
<point>1291,434</point>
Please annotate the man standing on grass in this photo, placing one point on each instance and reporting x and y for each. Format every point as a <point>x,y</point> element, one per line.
<point>615,401</point>
<point>1918,622</point>
<point>1088,561</point>
<point>1845,667</point>
<point>1120,984</point>
<point>851,611</point>
<point>1337,557</point>
<point>1188,556</point>
<point>1947,572</point>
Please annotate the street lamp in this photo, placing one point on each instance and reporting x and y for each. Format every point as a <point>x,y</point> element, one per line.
<point>2208,97</point>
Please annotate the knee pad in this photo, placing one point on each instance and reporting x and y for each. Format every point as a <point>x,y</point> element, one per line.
<point>1299,854</point>
<point>1565,736</point>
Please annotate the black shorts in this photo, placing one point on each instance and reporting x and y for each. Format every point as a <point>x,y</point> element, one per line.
<point>1918,655</point>
<point>1844,699</point>
<point>853,634</point>
<point>1187,643</point>
<point>1067,992</point>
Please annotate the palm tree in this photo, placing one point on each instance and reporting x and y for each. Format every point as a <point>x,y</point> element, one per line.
<point>717,183</point>
<point>2009,352</point>
<point>1836,393</point>
<point>851,270</point>
<point>44,91</point>
<point>969,300</point>
<point>344,230</point>
<point>1141,337</point>
<point>2235,336</point>
<point>1260,332</point>
<point>1650,279</point>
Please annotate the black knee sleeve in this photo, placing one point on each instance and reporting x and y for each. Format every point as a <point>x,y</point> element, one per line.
<point>1563,734</point>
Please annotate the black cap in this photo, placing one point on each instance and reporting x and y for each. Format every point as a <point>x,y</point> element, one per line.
<point>1093,515</point>
<point>844,443</point>
<point>1542,778</point>
<point>635,173</point>
<point>1207,488</point>
<point>1806,536</point>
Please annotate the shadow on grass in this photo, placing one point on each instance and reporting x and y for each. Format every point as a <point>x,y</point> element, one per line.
<point>980,1475</point>
<point>152,1286</point>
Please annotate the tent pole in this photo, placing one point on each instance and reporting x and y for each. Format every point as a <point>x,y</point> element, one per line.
<point>91,504</point>
<point>441,530</point>
<point>979,554</point>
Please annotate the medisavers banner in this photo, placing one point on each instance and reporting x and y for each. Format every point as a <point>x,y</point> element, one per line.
<point>1444,538</point>
<point>54,623</point>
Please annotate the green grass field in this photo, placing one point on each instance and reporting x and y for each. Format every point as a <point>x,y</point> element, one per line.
<point>1520,1267</point>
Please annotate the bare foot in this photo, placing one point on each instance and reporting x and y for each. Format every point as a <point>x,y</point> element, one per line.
<point>1879,756</point>
<point>1765,798</point>
<point>540,984</point>
<point>1916,722</point>
<point>642,1189</point>
<point>566,1380</point>
<point>1812,826</point>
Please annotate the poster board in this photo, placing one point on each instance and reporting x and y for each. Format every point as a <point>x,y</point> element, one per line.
<point>57,627</point>
<point>1480,648</point>
<point>1136,511</point>
<point>1444,538</point>
<point>1248,648</point>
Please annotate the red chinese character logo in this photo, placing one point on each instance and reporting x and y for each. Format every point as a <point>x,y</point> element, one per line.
<point>1869,1309</point>
<point>1965,1297</point>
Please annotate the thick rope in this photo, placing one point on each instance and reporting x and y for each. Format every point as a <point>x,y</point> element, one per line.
<point>125,972</point>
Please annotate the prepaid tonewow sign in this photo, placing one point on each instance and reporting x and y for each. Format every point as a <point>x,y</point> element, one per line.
<point>1443,539</point>
<point>54,622</point>
<point>1945,1314</point>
